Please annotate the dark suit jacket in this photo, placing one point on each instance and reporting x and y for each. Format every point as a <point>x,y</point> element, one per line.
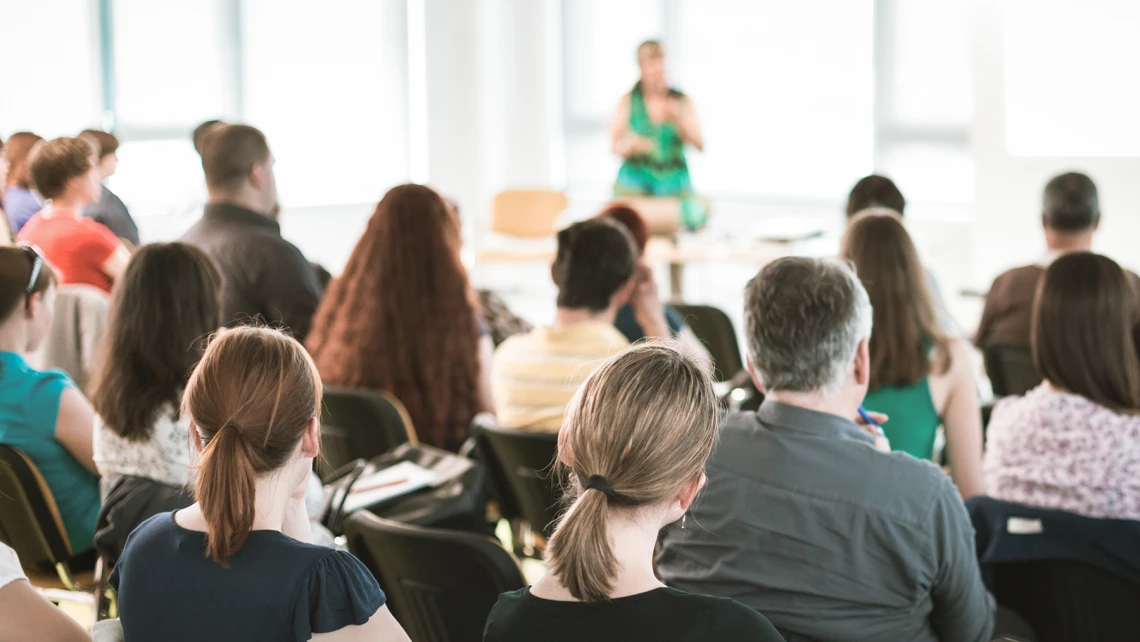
<point>267,278</point>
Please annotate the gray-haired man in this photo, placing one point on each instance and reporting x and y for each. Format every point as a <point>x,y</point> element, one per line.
<point>803,519</point>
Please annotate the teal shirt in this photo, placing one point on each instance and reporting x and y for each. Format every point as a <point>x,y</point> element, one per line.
<point>913,420</point>
<point>29,405</point>
<point>661,172</point>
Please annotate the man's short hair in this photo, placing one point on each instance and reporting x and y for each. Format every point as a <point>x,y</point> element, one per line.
<point>203,130</point>
<point>805,318</point>
<point>58,162</point>
<point>229,154</point>
<point>1070,203</point>
<point>105,144</point>
<point>595,258</point>
<point>875,191</point>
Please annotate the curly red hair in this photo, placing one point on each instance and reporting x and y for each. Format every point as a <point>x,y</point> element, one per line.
<point>402,317</point>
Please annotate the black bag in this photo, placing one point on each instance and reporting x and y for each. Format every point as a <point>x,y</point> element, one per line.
<point>457,501</point>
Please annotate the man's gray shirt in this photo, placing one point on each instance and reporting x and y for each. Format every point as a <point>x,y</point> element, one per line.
<point>804,521</point>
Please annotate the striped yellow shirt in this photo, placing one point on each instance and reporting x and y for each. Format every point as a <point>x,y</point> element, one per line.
<point>534,375</point>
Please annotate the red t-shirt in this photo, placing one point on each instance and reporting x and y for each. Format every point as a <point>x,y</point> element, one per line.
<point>76,247</point>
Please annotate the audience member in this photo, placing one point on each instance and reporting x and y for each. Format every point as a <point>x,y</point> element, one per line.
<point>626,321</point>
<point>402,317</point>
<point>266,277</point>
<point>635,441</point>
<point>166,307</point>
<point>83,251</point>
<point>109,209</point>
<point>535,375</point>
<point>241,553</point>
<point>1073,443</point>
<point>880,192</point>
<point>202,131</point>
<point>804,519</point>
<point>920,378</point>
<point>20,201</point>
<point>5,228</point>
<point>875,191</point>
<point>24,613</point>
<point>1070,216</point>
<point>41,413</point>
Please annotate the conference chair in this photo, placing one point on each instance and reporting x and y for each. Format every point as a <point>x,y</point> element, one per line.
<point>522,226</point>
<point>30,523</point>
<point>1010,369</point>
<point>441,585</point>
<point>713,327</point>
<point>361,424</point>
<point>521,475</point>
<point>1067,576</point>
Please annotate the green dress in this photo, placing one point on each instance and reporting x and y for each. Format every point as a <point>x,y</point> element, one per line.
<point>913,420</point>
<point>662,172</point>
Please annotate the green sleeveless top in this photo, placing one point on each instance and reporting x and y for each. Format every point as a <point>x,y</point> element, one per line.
<point>662,172</point>
<point>913,420</point>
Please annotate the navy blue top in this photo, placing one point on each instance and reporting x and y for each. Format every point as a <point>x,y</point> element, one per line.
<point>627,324</point>
<point>275,588</point>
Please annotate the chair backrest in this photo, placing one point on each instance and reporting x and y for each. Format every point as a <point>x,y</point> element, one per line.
<point>1067,600</point>
<point>441,585</point>
<point>29,518</point>
<point>1010,369</point>
<point>520,471</point>
<point>713,327</point>
<point>77,330</point>
<point>527,213</point>
<point>361,424</point>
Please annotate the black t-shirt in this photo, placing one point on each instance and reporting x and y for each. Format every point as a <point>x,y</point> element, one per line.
<point>661,615</point>
<point>275,588</point>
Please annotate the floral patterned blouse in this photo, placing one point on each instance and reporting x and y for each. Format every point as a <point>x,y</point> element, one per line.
<point>1061,451</point>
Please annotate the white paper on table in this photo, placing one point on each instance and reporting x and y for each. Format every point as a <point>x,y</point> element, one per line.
<point>410,477</point>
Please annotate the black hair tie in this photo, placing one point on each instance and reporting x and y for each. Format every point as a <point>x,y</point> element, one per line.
<point>599,483</point>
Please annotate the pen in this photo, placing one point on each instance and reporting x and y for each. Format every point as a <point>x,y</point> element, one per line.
<point>871,422</point>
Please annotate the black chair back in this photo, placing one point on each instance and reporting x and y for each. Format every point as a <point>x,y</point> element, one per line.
<point>713,327</point>
<point>441,585</point>
<point>29,518</point>
<point>1010,369</point>
<point>1067,600</point>
<point>361,424</point>
<point>520,471</point>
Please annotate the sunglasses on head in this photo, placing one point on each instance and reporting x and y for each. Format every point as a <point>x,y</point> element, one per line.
<point>37,266</point>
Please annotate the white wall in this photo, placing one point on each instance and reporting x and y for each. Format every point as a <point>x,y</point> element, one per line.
<point>1008,208</point>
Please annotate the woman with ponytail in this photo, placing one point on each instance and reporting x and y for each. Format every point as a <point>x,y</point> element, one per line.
<point>635,442</point>
<point>239,564</point>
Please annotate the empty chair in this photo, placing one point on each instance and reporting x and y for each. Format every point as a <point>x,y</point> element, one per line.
<point>361,424</point>
<point>519,468</point>
<point>527,213</point>
<point>440,584</point>
<point>1010,369</point>
<point>713,327</point>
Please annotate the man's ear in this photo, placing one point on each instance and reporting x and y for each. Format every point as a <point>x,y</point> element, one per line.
<point>625,292</point>
<point>752,373</point>
<point>257,175</point>
<point>311,440</point>
<point>862,370</point>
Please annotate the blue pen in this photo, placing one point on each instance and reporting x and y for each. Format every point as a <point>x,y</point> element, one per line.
<point>871,422</point>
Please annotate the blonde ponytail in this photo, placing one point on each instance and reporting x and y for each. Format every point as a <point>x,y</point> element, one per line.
<point>639,429</point>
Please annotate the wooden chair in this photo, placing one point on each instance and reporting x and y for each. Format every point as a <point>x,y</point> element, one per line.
<point>31,524</point>
<point>529,213</point>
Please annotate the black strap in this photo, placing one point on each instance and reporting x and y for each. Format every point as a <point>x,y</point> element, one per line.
<point>599,483</point>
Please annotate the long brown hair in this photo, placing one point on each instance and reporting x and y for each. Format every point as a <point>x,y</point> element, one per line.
<point>250,400</point>
<point>905,323</point>
<point>1085,319</point>
<point>165,306</point>
<point>403,317</point>
<point>18,149</point>
<point>16,265</point>
<point>645,421</point>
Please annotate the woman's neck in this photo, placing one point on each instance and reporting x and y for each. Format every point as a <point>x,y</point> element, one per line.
<point>14,334</point>
<point>62,207</point>
<point>632,543</point>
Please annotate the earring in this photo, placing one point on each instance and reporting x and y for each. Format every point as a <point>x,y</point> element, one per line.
<point>683,518</point>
